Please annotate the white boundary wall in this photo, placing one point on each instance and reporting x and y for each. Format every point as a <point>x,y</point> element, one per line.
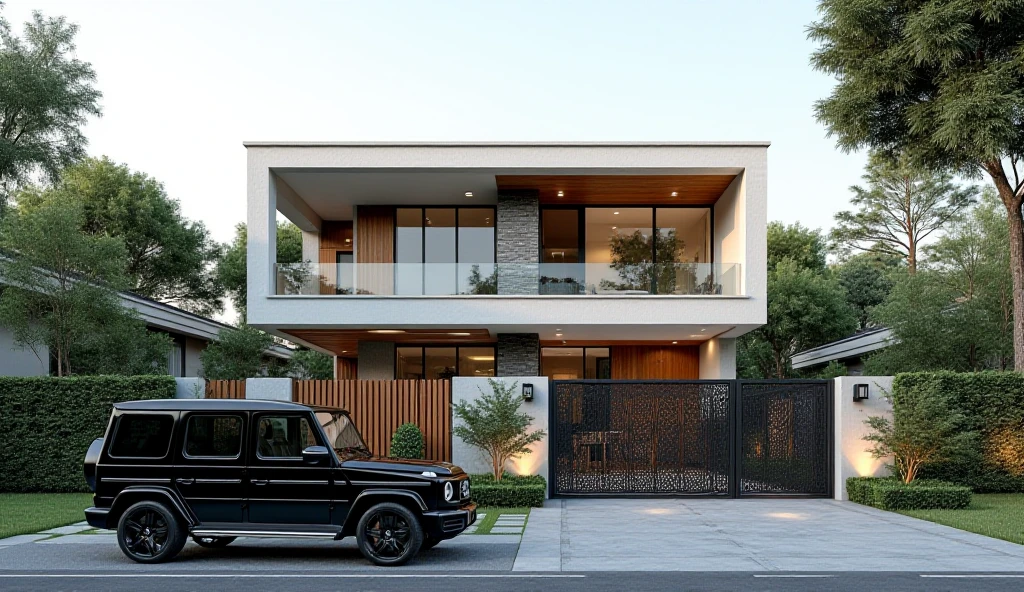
<point>852,458</point>
<point>472,459</point>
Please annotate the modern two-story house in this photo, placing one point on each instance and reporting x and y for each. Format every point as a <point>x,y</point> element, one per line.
<point>566,260</point>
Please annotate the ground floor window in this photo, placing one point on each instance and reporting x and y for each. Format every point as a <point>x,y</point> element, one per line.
<point>432,362</point>
<point>573,363</point>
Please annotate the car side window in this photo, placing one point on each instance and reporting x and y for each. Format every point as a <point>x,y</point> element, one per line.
<point>283,436</point>
<point>142,436</point>
<point>213,436</point>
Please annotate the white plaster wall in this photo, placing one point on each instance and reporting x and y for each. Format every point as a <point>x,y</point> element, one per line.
<point>193,364</point>
<point>310,246</point>
<point>717,358</point>
<point>473,460</point>
<point>852,458</point>
<point>273,389</point>
<point>15,361</point>
<point>189,388</point>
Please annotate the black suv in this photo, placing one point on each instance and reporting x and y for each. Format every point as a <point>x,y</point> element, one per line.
<point>219,469</point>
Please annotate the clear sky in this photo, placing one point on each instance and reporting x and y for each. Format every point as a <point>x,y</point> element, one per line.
<point>185,83</point>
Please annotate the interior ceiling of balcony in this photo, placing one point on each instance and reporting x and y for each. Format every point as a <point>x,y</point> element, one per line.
<point>331,194</point>
<point>345,342</point>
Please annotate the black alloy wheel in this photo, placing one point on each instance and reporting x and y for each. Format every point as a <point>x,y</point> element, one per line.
<point>149,532</point>
<point>213,542</point>
<point>389,534</point>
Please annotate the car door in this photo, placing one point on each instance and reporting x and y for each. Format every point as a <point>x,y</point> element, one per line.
<point>210,468</point>
<point>282,489</point>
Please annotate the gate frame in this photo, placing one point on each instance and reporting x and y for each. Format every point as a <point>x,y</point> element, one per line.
<point>735,436</point>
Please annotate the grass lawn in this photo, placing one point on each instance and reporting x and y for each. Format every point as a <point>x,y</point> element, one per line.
<point>23,513</point>
<point>998,515</point>
<point>484,525</point>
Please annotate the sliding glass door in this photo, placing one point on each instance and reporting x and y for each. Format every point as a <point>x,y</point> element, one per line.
<point>444,251</point>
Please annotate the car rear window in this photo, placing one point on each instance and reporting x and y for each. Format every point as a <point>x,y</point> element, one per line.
<point>217,436</point>
<point>142,436</point>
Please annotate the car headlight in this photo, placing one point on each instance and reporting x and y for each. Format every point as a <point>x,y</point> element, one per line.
<point>465,489</point>
<point>449,491</point>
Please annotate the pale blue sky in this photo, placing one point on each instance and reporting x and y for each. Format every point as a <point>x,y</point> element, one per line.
<point>186,82</point>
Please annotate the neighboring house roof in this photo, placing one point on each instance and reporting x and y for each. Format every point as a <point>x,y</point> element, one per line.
<point>849,347</point>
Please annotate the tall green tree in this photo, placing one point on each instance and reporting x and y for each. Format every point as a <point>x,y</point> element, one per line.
<point>867,278</point>
<point>59,282</point>
<point>46,96</point>
<point>231,269</point>
<point>168,257</point>
<point>236,354</point>
<point>900,206</point>
<point>941,81</point>
<point>807,248</point>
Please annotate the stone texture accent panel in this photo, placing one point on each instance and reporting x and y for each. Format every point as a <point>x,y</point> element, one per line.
<point>518,228</point>
<point>376,360</point>
<point>518,354</point>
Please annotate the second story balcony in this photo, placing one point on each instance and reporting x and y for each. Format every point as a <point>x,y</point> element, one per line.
<point>520,279</point>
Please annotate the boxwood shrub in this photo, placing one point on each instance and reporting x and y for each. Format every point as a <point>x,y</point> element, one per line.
<point>893,494</point>
<point>513,491</point>
<point>48,423</point>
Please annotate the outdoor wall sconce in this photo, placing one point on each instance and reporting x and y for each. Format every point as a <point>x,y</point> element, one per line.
<point>527,392</point>
<point>860,392</point>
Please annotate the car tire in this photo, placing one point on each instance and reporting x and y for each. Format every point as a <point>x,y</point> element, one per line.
<point>150,532</point>
<point>389,534</point>
<point>213,542</point>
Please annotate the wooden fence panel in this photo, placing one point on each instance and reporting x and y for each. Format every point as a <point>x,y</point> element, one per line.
<point>378,407</point>
<point>225,389</point>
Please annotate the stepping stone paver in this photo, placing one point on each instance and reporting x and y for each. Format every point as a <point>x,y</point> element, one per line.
<point>505,530</point>
<point>21,538</point>
<point>72,529</point>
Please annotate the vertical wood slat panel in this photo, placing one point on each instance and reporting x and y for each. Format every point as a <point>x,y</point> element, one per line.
<point>225,389</point>
<point>378,407</point>
<point>375,243</point>
<point>655,362</point>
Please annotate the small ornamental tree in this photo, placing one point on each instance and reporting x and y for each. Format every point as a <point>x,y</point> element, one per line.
<point>924,429</point>
<point>236,355</point>
<point>407,442</point>
<point>494,424</point>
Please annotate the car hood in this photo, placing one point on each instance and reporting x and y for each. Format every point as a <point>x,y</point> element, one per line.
<point>402,465</point>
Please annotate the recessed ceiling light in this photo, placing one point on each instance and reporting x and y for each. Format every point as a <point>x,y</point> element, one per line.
<point>563,343</point>
<point>561,194</point>
<point>460,334</point>
<point>616,213</point>
<point>348,240</point>
<point>675,342</point>
<point>482,358</point>
<point>703,330</point>
<point>615,227</point>
<point>558,334</point>
<point>385,331</point>
<point>469,194</point>
<point>675,194</point>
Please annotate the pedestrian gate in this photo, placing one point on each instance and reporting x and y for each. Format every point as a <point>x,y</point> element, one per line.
<point>730,438</point>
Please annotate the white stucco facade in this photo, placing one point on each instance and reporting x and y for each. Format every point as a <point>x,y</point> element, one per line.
<point>852,458</point>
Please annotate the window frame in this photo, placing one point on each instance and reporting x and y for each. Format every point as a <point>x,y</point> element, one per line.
<point>271,414</point>
<point>458,356</point>
<point>188,424</point>
<point>117,426</point>
<point>584,348</point>
<point>423,238</point>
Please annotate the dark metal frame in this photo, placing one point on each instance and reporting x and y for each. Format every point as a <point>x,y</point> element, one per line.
<point>457,346</point>
<point>423,236</point>
<point>734,439</point>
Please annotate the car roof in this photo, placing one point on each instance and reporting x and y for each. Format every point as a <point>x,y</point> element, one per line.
<point>209,405</point>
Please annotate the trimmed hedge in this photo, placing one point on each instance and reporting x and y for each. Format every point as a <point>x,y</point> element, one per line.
<point>48,424</point>
<point>407,442</point>
<point>992,404</point>
<point>513,491</point>
<point>892,494</point>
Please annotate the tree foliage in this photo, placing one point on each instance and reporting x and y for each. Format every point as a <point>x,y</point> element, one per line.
<point>867,278</point>
<point>492,422</point>
<point>231,269</point>
<point>900,206</point>
<point>236,354</point>
<point>633,257</point>
<point>805,247</point>
<point>941,82</point>
<point>307,364</point>
<point>46,95</point>
<point>168,258</point>
<point>407,442</point>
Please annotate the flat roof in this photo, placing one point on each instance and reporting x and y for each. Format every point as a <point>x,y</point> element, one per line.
<point>209,405</point>
<point>302,144</point>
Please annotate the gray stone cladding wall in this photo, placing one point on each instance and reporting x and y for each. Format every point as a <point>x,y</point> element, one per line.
<point>518,227</point>
<point>518,354</point>
<point>376,360</point>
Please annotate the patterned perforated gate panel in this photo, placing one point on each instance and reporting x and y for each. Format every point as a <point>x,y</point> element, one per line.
<point>612,437</point>
<point>712,438</point>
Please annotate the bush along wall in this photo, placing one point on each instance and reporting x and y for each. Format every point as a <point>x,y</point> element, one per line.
<point>513,491</point>
<point>992,404</point>
<point>48,424</point>
<point>887,493</point>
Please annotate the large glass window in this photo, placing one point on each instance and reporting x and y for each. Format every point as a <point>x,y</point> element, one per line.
<point>432,362</point>
<point>218,436</point>
<point>142,436</point>
<point>620,250</point>
<point>409,251</point>
<point>561,272</point>
<point>439,251</point>
<point>442,251</point>
<point>574,363</point>
<point>477,273</point>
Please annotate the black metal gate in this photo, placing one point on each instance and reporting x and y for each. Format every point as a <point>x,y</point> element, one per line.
<point>725,438</point>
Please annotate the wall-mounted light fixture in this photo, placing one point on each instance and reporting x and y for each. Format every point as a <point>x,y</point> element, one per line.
<point>860,392</point>
<point>527,391</point>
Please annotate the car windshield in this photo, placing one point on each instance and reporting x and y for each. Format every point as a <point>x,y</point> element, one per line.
<point>341,433</point>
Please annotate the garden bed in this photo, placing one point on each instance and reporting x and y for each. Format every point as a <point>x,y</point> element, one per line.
<point>26,513</point>
<point>513,491</point>
<point>892,494</point>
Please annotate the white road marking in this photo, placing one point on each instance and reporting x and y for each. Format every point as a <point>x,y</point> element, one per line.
<point>285,576</point>
<point>972,575</point>
<point>793,576</point>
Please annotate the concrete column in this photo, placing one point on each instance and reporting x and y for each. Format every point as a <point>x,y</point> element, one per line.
<point>310,246</point>
<point>717,358</point>
<point>518,354</point>
<point>852,458</point>
<point>376,360</point>
<point>261,224</point>
<point>518,238</point>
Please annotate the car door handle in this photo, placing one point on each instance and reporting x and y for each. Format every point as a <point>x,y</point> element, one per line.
<point>185,481</point>
<point>260,481</point>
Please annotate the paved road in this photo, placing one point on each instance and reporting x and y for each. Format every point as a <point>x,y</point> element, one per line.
<point>505,582</point>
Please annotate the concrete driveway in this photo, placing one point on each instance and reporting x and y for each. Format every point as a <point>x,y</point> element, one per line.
<point>808,535</point>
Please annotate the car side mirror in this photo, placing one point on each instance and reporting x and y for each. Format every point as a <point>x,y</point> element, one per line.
<point>315,455</point>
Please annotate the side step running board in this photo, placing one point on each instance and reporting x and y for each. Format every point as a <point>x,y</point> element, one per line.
<point>218,532</point>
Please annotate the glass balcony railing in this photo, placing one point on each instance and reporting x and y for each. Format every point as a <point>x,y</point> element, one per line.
<point>549,279</point>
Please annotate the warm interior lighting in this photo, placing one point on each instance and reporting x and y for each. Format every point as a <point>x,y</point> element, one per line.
<point>558,334</point>
<point>675,342</point>
<point>482,359</point>
<point>348,240</point>
<point>561,194</point>
<point>703,330</point>
<point>469,194</point>
<point>675,194</point>
<point>616,213</point>
<point>460,334</point>
<point>385,331</point>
